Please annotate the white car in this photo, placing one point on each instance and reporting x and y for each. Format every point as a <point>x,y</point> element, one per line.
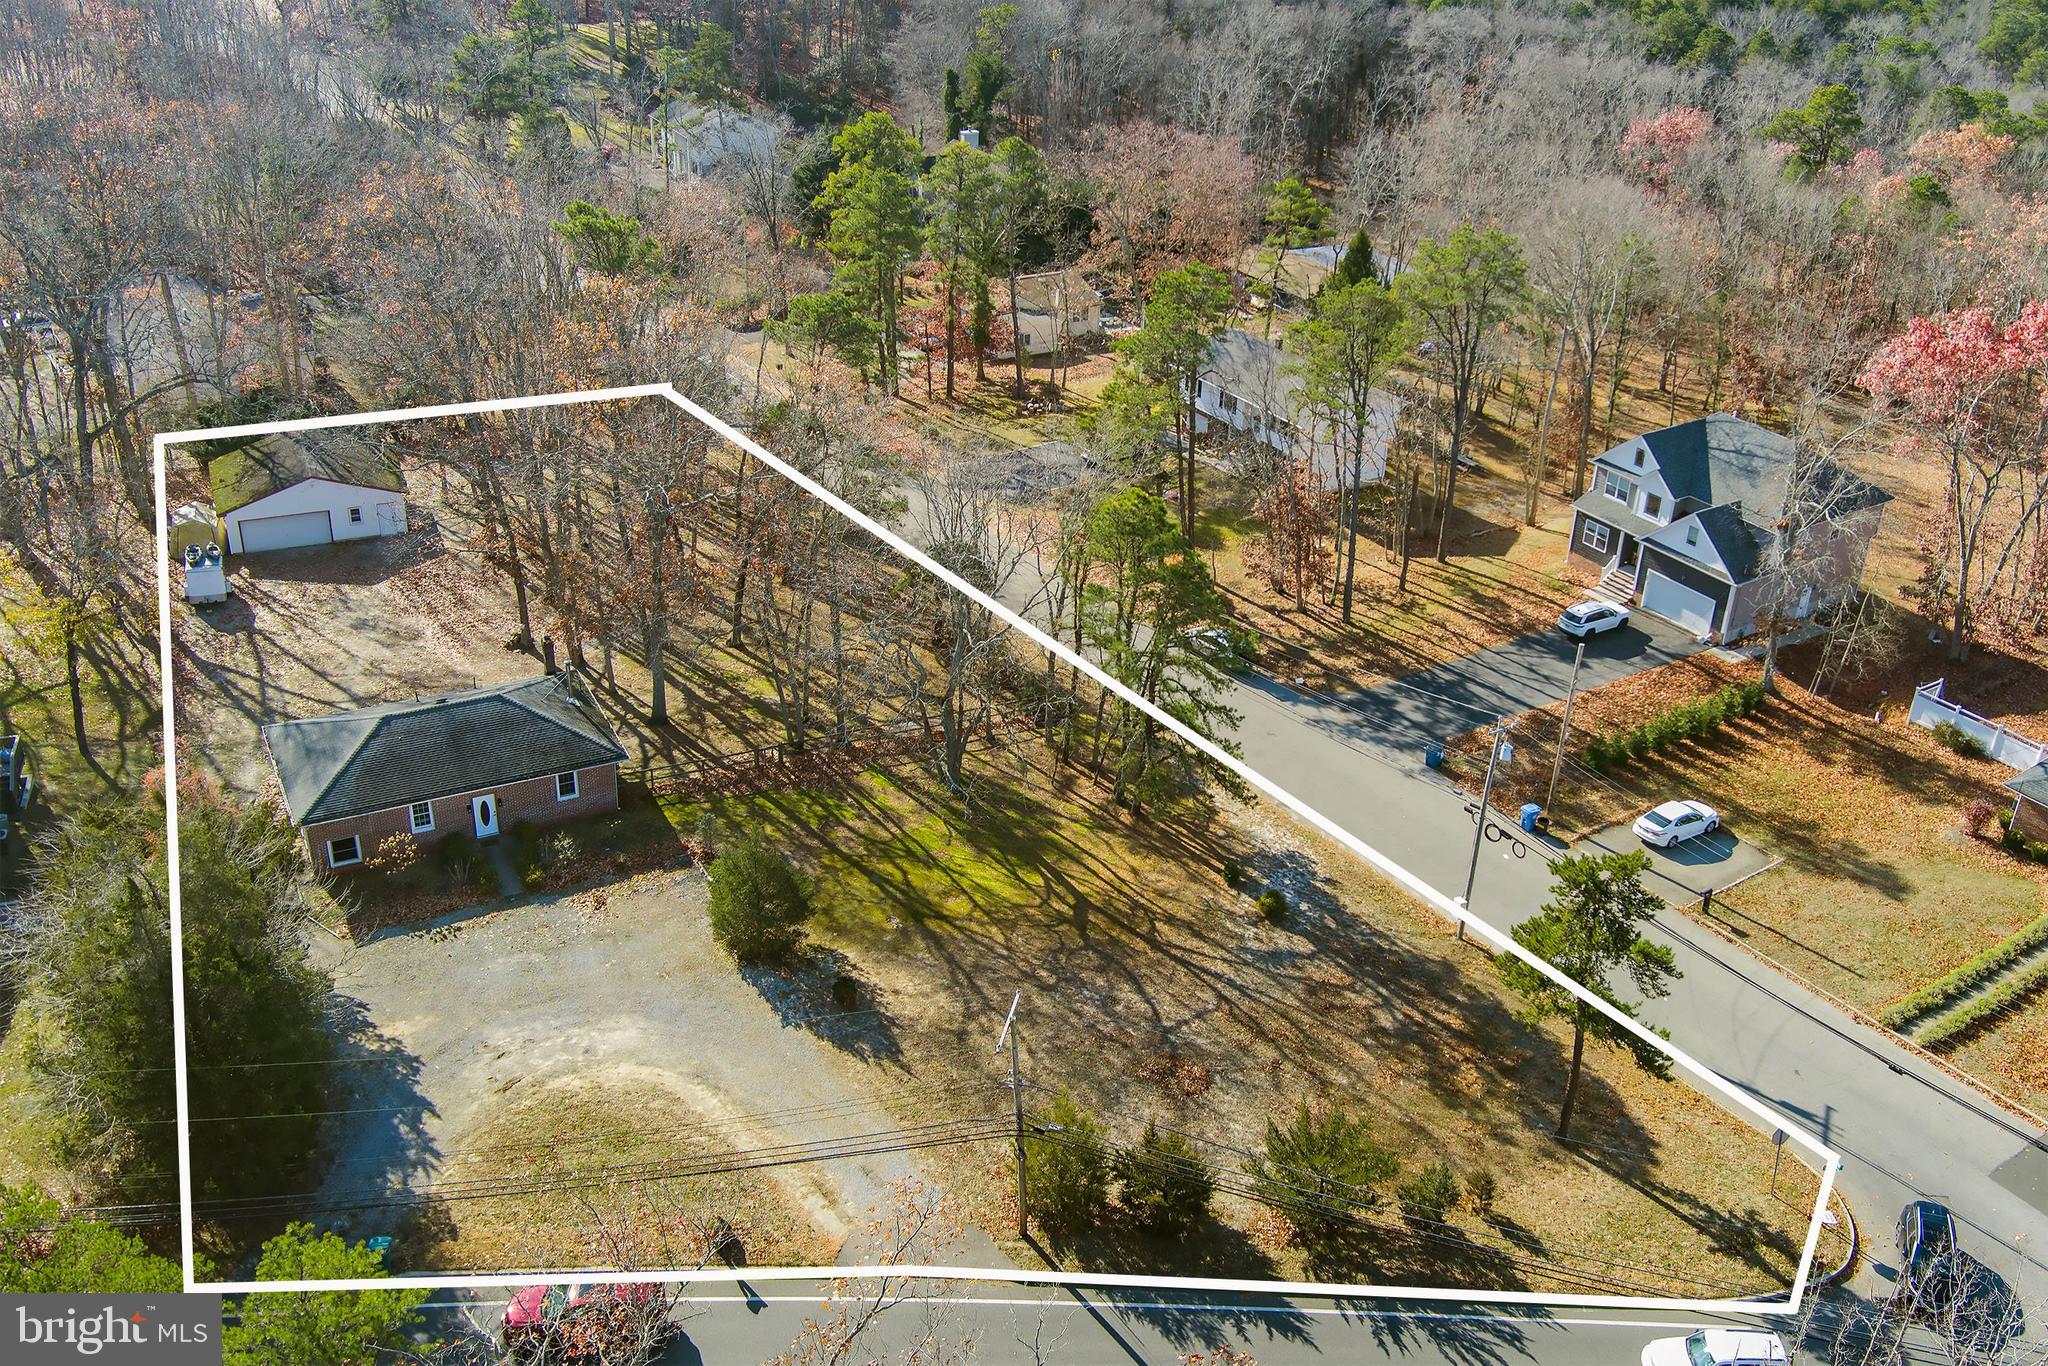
<point>1592,617</point>
<point>1718,1347</point>
<point>1676,822</point>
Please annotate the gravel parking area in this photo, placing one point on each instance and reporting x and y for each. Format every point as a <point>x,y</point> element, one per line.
<point>617,987</point>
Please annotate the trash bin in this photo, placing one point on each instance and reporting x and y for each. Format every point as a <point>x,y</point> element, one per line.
<point>1530,811</point>
<point>1434,756</point>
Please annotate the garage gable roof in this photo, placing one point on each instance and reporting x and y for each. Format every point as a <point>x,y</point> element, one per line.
<point>280,460</point>
<point>1735,550</point>
<point>354,762</point>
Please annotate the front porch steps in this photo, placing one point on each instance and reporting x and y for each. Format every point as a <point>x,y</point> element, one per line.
<point>1616,585</point>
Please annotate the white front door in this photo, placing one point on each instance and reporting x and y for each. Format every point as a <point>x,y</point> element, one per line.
<point>484,810</point>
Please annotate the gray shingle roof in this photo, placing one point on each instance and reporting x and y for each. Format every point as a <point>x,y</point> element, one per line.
<point>1601,508</point>
<point>355,762</point>
<point>280,460</point>
<point>2031,783</point>
<point>1722,458</point>
<point>1742,546</point>
<point>1255,370</point>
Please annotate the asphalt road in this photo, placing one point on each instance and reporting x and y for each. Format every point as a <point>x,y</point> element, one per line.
<point>1403,716</point>
<point>1683,872</point>
<point>1903,1126</point>
<point>721,1326</point>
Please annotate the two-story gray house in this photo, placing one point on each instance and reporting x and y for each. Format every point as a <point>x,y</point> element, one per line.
<point>1688,518</point>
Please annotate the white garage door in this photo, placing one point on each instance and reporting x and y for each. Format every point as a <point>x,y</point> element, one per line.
<point>1673,601</point>
<point>282,533</point>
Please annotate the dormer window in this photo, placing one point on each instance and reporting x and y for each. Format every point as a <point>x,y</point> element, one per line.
<point>1692,534</point>
<point>1639,457</point>
<point>1652,505</point>
<point>1617,486</point>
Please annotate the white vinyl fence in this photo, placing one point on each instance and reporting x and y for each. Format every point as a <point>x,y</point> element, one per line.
<point>2011,749</point>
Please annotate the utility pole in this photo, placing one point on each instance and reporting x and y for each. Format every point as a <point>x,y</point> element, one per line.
<point>1500,723</point>
<point>1009,1036</point>
<point>1564,728</point>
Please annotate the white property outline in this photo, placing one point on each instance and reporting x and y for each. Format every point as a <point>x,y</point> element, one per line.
<point>1831,1162</point>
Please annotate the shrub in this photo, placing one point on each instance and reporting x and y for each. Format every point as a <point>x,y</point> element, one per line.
<point>1967,978</point>
<point>2012,841</point>
<point>1429,1194</point>
<point>1273,905</point>
<point>1066,1170</point>
<point>759,902</point>
<point>1954,738</point>
<point>1314,1167</point>
<point>845,992</point>
<point>456,853</point>
<point>1481,1188</point>
<point>2005,818</point>
<point>1165,1185</point>
<point>1638,743</point>
<point>466,864</point>
<point>1975,814</point>
<point>1233,872</point>
<point>1600,754</point>
<point>527,855</point>
<point>1753,695</point>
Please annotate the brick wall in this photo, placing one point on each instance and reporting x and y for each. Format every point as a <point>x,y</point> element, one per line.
<point>597,791</point>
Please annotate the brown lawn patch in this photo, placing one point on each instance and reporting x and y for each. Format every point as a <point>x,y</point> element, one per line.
<point>1154,991</point>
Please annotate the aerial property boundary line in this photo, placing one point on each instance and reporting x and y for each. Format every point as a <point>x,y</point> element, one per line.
<point>1729,1094</point>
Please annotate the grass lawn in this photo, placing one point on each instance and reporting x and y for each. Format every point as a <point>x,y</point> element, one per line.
<point>1879,891</point>
<point>1152,990</point>
<point>2012,1056</point>
<point>573,1125</point>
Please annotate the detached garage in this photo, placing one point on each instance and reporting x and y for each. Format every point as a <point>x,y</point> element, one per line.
<point>287,491</point>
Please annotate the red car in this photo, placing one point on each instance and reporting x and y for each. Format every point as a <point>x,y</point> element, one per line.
<point>595,1321</point>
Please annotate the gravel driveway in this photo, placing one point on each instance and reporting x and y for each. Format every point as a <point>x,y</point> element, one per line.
<point>621,984</point>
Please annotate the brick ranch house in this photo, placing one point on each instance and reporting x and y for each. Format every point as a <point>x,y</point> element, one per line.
<point>476,762</point>
<point>1687,517</point>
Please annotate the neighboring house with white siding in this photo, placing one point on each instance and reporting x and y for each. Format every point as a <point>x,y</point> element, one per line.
<point>1688,519</point>
<point>1248,385</point>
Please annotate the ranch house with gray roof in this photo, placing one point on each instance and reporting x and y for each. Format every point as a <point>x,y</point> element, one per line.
<point>474,762</point>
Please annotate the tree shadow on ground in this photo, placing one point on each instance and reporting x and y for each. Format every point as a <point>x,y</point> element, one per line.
<point>376,1144</point>
<point>800,990</point>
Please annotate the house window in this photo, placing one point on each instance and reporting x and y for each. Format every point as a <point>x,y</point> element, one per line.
<point>344,851</point>
<point>1616,487</point>
<point>1596,537</point>
<point>565,786</point>
<point>1652,505</point>
<point>422,817</point>
<point>355,515</point>
<point>1639,457</point>
<point>1228,402</point>
<point>1692,534</point>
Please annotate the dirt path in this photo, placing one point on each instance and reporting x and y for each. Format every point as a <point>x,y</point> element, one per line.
<point>621,986</point>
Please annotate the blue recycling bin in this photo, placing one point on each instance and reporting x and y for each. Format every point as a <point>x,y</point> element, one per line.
<point>1530,811</point>
<point>1433,756</point>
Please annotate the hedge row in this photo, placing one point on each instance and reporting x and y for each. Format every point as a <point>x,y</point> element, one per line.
<point>1694,720</point>
<point>1964,1018</point>
<point>1968,977</point>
